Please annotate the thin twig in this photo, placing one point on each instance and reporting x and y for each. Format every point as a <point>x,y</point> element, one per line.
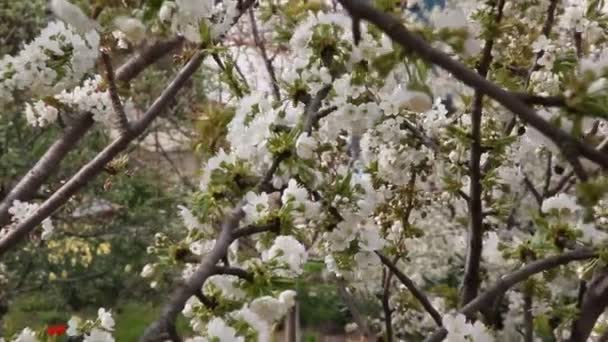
<point>424,139</point>
<point>267,62</point>
<point>207,302</point>
<point>251,230</point>
<point>548,174</point>
<point>409,284</point>
<point>119,111</point>
<point>537,196</point>
<point>325,112</point>
<point>312,107</point>
<point>235,271</point>
<point>546,31</point>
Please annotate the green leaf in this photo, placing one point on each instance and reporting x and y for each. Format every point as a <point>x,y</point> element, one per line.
<point>543,327</point>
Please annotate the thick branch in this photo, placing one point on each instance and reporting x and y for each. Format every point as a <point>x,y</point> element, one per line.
<point>547,101</point>
<point>393,28</point>
<point>417,293</point>
<point>528,318</point>
<point>471,280</point>
<point>50,161</point>
<point>207,268</point>
<point>513,278</point>
<point>95,166</point>
<point>149,55</point>
<point>593,305</point>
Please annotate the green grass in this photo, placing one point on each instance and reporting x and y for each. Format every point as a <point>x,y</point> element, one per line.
<point>131,317</point>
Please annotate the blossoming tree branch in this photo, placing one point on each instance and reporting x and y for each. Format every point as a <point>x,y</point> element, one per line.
<point>447,162</point>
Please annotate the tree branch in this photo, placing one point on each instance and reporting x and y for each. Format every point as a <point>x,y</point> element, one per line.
<point>265,183</point>
<point>386,306</point>
<point>393,28</point>
<point>547,101</point>
<point>95,166</point>
<point>267,62</point>
<point>50,161</point>
<point>180,296</point>
<point>312,107</point>
<point>506,282</point>
<point>424,139</point>
<point>471,280</point>
<point>119,111</point>
<point>537,196</point>
<point>546,31</point>
<point>325,112</point>
<point>251,230</point>
<point>207,302</point>
<point>409,284</point>
<point>593,305</point>
<point>235,271</point>
<point>207,267</point>
<point>528,318</point>
<point>146,57</point>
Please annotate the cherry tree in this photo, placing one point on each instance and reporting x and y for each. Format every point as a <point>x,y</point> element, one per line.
<point>450,164</point>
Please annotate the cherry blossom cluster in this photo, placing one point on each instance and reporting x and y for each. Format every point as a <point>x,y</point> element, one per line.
<point>20,211</point>
<point>57,59</point>
<point>199,21</point>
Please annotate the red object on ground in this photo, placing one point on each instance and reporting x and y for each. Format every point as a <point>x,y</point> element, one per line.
<point>56,330</point>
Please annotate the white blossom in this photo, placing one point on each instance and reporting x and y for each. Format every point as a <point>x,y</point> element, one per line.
<point>98,335</point>
<point>289,251</point>
<point>288,298</point>
<point>105,319</point>
<point>57,59</point>
<point>73,15</point>
<point>458,329</point>
<point>73,326</point>
<point>560,201</point>
<point>217,328</point>
<point>254,320</point>
<point>305,146</point>
<point>269,308</point>
<point>133,28</point>
<point>147,271</point>
<point>27,335</point>
<point>256,207</point>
